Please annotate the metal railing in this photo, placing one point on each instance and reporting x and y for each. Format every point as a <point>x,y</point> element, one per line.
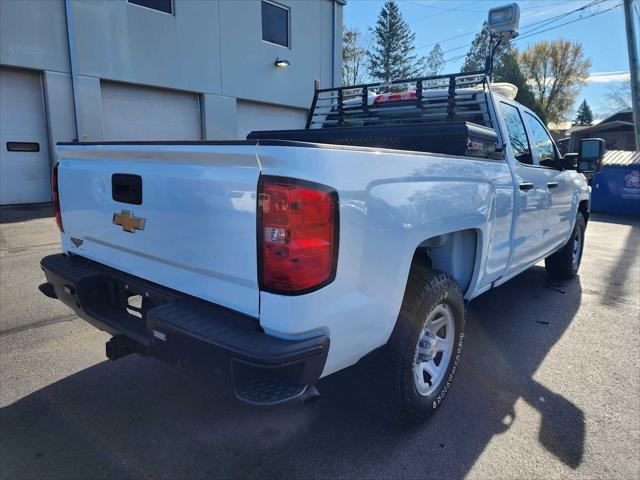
<point>439,98</point>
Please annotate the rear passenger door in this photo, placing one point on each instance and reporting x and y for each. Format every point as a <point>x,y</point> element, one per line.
<point>531,194</point>
<point>559,183</point>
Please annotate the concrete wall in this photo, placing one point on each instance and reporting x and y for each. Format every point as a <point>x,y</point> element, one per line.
<point>120,41</point>
<point>212,48</point>
<point>33,34</point>
<point>58,96</point>
<point>248,71</point>
<point>251,115</point>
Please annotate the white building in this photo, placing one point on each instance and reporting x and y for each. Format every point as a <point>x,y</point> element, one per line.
<point>98,70</point>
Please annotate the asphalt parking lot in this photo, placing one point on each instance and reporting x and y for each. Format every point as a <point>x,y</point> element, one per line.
<point>549,388</point>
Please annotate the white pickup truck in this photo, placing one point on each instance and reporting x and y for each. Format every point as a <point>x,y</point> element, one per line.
<point>278,260</point>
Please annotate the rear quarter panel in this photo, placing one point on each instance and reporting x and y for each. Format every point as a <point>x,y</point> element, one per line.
<point>390,202</point>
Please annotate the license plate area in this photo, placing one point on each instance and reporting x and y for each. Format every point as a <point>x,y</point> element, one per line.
<point>126,306</point>
<point>136,300</point>
<point>134,305</point>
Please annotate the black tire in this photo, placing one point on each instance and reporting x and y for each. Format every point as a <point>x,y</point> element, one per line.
<point>426,290</point>
<point>563,264</point>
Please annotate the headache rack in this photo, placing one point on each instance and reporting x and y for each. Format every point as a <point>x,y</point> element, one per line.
<point>459,97</point>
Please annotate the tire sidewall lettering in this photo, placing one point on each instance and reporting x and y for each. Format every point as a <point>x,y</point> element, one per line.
<point>456,361</point>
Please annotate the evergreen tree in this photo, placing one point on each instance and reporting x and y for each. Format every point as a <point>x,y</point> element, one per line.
<point>509,71</point>
<point>584,116</point>
<point>479,49</point>
<point>435,61</point>
<point>392,56</point>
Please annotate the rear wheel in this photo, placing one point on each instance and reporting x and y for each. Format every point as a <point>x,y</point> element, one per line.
<point>423,353</point>
<point>564,264</point>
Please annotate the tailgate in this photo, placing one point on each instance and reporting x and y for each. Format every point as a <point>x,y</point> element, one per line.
<point>198,204</point>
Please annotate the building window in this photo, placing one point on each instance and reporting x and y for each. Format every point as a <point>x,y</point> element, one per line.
<point>275,24</point>
<point>165,6</point>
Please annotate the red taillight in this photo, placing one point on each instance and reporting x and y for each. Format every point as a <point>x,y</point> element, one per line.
<point>56,197</point>
<point>297,235</point>
<point>395,97</point>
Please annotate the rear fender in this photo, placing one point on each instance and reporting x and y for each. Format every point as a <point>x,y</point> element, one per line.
<point>454,253</point>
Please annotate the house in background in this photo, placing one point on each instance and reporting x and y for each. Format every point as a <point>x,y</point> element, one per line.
<point>101,70</point>
<point>558,131</point>
<point>616,131</point>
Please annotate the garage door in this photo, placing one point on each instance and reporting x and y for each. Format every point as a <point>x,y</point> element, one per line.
<point>260,116</point>
<point>140,113</point>
<point>24,148</point>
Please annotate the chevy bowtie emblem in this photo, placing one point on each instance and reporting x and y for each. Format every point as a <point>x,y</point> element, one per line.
<point>128,222</point>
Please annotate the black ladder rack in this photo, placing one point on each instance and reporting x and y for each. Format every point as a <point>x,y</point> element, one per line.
<point>351,105</point>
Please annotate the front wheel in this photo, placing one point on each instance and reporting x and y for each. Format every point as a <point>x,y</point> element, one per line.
<point>564,264</point>
<point>423,353</point>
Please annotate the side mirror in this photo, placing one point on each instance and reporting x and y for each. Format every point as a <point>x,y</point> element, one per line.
<point>591,153</point>
<point>569,161</point>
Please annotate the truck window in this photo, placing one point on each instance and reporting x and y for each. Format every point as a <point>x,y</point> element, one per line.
<point>517,133</point>
<point>542,143</point>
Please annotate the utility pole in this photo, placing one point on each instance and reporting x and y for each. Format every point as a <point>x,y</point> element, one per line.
<point>634,66</point>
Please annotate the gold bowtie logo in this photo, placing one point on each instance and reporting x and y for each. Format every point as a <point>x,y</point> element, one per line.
<point>128,222</point>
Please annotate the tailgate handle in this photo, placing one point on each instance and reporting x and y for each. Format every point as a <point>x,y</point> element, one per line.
<point>126,188</point>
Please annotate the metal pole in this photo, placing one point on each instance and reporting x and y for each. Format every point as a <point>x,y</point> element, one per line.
<point>71,36</point>
<point>333,47</point>
<point>634,66</point>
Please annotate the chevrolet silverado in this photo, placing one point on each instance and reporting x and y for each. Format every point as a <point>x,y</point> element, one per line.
<point>275,261</point>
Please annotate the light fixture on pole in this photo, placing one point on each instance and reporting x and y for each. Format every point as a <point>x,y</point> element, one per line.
<point>503,21</point>
<point>503,25</point>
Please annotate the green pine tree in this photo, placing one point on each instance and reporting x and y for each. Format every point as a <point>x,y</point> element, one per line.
<point>435,61</point>
<point>584,117</point>
<point>392,56</point>
<point>479,49</point>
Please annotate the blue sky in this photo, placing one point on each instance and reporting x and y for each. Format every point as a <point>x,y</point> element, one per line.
<point>602,36</point>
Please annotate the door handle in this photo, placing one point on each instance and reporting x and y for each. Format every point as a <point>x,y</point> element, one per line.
<point>525,187</point>
<point>551,185</point>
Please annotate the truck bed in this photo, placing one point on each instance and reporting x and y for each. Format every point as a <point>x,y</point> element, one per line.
<point>451,138</point>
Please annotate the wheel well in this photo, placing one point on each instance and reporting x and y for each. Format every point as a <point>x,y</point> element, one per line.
<point>453,253</point>
<point>583,207</point>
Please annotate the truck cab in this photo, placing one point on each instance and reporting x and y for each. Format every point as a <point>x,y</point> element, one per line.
<point>548,194</point>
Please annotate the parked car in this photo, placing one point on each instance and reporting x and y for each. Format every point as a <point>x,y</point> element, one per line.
<point>278,260</point>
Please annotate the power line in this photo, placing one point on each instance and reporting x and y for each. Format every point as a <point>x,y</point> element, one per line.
<point>532,33</point>
<point>567,23</point>
<point>549,20</point>
<point>458,8</point>
<point>542,24</point>
<point>445,9</point>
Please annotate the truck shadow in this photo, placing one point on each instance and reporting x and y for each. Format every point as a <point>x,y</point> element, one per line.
<point>139,418</point>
